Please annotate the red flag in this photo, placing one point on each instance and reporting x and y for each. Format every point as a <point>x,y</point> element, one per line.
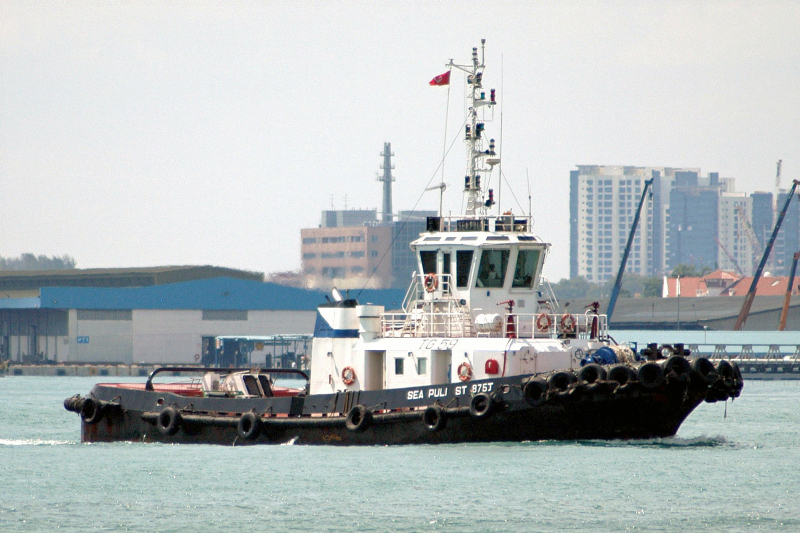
<point>441,79</point>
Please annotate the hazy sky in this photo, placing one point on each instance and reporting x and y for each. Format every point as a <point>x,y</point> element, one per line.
<point>154,133</point>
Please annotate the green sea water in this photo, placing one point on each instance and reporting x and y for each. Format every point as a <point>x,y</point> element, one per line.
<point>732,467</point>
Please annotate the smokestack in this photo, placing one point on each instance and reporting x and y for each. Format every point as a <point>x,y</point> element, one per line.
<point>387,180</point>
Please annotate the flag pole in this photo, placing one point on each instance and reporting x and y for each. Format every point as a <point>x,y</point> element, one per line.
<point>444,144</point>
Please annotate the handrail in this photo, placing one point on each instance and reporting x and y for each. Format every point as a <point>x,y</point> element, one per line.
<point>411,293</point>
<point>148,386</point>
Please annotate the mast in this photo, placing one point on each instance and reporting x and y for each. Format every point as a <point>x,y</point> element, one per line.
<point>476,98</point>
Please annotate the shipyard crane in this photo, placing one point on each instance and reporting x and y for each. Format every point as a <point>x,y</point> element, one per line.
<point>733,259</point>
<point>788,297</point>
<point>612,302</point>
<point>749,232</point>
<point>751,294</point>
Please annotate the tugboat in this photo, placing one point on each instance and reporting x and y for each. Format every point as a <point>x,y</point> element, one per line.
<point>475,355</point>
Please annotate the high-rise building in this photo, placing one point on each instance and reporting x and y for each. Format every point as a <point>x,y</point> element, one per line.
<point>603,203</point>
<point>688,218</point>
<point>704,228</point>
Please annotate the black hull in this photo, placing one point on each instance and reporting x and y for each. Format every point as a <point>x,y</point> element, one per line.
<point>603,410</point>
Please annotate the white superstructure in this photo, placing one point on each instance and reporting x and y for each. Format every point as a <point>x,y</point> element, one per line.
<point>473,312</point>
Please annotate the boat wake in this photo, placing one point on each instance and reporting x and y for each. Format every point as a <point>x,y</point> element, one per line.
<point>34,442</point>
<point>701,441</point>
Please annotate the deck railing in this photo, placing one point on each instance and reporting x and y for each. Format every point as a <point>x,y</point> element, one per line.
<point>419,323</point>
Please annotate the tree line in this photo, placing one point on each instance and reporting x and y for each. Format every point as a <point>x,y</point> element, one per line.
<point>37,262</point>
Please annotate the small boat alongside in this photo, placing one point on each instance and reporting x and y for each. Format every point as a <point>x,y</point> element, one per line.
<point>475,355</point>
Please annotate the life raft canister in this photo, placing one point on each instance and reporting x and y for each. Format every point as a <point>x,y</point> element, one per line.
<point>464,372</point>
<point>543,323</point>
<point>348,375</point>
<point>431,282</point>
<point>567,323</point>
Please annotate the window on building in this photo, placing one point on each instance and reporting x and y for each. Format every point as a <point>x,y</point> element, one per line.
<point>309,240</point>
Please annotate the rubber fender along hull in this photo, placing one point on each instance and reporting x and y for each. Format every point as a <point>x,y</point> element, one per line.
<point>603,410</point>
<point>634,417</point>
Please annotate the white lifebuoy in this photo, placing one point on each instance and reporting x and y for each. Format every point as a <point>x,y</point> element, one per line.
<point>431,282</point>
<point>543,322</point>
<point>348,375</point>
<point>567,323</point>
<point>464,372</point>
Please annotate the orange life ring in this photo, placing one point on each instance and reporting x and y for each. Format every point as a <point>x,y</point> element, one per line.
<point>348,375</point>
<point>464,372</point>
<point>431,282</point>
<point>544,322</point>
<point>567,323</point>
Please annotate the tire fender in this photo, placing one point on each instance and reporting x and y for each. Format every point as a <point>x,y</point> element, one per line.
<point>92,410</point>
<point>481,406</point>
<point>169,421</point>
<point>249,426</point>
<point>434,418</point>
<point>359,418</point>
<point>650,375</point>
<point>591,373</point>
<point>534,390</point>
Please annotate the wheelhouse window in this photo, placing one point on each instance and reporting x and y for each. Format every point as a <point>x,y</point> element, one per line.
<point>428,260</point>
<point>398,366</point>
<point>463,264</point>
<point>525,271</point>
<point>492,269</point>
<point>422,366</point>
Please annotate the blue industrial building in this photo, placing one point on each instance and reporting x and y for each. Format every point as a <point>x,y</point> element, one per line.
<point>142,319</point>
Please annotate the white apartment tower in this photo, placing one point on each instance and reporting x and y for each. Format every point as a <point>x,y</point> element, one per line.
<point>603,204</point>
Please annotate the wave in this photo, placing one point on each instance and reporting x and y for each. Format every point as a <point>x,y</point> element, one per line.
<point>34,442</point>
<point>702,441</point>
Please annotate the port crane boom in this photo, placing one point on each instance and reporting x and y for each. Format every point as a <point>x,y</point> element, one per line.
<point>612,302</point>
<point>788,297</point>
<point>751,294</point>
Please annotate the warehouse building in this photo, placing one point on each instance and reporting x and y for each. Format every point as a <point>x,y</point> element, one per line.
<point>151,316</point>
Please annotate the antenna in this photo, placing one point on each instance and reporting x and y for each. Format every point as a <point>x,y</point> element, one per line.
<point>441,186</point>
<point>530,202</point>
